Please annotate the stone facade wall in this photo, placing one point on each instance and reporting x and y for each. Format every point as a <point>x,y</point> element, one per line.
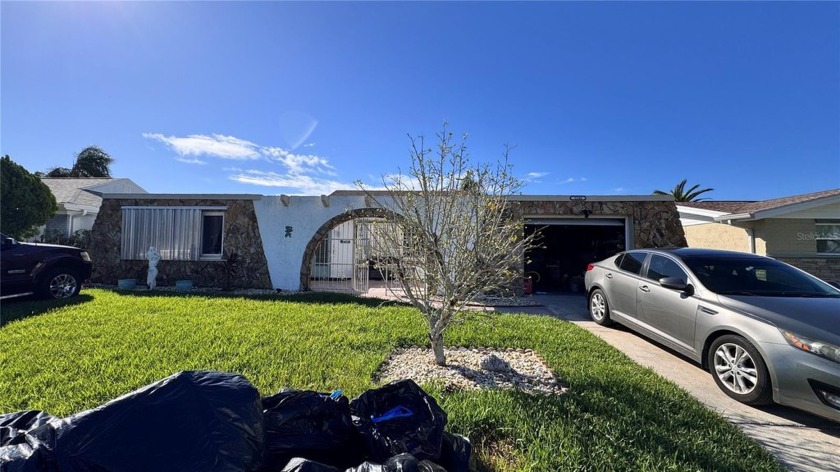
<point>826,268</point>
<point>654,223</point>
<point>241,236</point>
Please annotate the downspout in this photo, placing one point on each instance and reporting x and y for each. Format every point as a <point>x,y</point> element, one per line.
<point>751,240</point>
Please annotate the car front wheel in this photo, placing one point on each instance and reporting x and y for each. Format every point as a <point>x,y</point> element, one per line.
<point>599,309</point>
<point>60,283</point>
<point>739,370</point>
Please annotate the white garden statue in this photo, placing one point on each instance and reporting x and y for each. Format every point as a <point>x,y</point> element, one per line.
<point>153,257</point>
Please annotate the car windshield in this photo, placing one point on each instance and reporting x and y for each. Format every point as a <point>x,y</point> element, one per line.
<point>759,277</point>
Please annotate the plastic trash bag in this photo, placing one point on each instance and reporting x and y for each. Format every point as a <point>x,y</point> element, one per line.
<point>310,425</point>
<point>204,421</point>
<point>455,453</point>
<point>399,463</point>
<point>299,464</point>
<point>20,451</point>
<point>399,418</point>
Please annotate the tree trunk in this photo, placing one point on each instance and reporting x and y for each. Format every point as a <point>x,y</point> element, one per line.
<point>437,347</point>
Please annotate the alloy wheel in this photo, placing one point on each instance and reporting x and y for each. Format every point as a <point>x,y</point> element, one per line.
<point>735,368</point>
<point>597,306</point>
<point>62,286</point>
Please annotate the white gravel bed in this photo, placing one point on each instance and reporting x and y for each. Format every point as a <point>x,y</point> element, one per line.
<point>474,369</point>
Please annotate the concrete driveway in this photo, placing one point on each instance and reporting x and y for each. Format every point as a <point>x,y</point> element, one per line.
<point>799,441</point>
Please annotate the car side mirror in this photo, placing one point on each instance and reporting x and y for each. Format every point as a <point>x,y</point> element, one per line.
<point>677,283</point>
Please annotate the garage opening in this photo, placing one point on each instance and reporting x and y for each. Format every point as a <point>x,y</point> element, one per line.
<point>566,246</point>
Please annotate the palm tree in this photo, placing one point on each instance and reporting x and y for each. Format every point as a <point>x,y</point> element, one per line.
<point>91,161</point>
<point>682,195</point>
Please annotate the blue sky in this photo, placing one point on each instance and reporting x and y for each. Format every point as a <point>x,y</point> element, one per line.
<point>303,98</point>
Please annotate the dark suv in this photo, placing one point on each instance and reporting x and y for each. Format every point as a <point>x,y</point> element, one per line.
<point>47,270</point>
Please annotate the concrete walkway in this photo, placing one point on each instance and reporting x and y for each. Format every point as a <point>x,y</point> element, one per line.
<point>800,441</point>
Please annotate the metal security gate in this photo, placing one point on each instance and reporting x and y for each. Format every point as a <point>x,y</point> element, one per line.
<point>341,261</point>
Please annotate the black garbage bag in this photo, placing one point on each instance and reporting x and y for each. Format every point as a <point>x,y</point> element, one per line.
<point>310,425</point>
<point>299,464</point>
<point>399,418</point>
<point>188,421</point>
<point>399,463</point>
<point>455,453</point>
<point>20,451</point>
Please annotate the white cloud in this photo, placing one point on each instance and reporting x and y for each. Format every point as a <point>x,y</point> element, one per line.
<point>534,177</point>
<point>300,184</point>
<point>216,145</point>
<point>572,180</point>
<point>190,160</point>
<point>308,145</point>
<point>619,189</point>
<point>299,163</point>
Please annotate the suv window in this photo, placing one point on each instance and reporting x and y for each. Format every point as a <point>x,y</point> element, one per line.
<point>661,266</point>
<point>632,262</point>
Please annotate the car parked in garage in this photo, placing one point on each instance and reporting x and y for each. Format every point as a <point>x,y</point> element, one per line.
<point>765,330</point>
<point>46,270</point>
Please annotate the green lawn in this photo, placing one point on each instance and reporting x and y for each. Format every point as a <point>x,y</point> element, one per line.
<point>66,357</point>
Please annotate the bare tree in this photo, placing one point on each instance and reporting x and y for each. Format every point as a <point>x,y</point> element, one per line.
<point>453,232</point>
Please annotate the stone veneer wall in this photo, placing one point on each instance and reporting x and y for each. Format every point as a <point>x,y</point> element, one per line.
<point>826,268</point>
<point>241,236</point>
<point>655,223</point>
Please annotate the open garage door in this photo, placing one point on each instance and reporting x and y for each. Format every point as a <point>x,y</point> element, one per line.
<point>567,245</point>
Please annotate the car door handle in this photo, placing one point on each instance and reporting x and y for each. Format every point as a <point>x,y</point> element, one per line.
<point>644,288</point>
<point>609,276</point>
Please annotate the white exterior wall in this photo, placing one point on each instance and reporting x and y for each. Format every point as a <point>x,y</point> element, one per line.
<point>305,215</point>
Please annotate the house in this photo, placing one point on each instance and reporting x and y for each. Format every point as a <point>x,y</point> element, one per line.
<point>309,242</point>
<point>802,230</point>
<point>78,202</point>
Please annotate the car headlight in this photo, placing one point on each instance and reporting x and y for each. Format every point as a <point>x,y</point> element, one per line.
<point>85,256</point>
<point>829,351</point>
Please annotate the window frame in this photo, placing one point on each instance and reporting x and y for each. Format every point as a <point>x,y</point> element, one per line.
<point>203,210</point>
<point>819,236</point>
<point>212,256</point>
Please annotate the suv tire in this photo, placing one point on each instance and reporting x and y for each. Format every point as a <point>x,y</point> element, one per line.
<point>59,284</point>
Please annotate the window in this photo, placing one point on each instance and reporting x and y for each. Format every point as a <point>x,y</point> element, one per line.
<point>212,224</point>
<point>661,266</point>
<point>178,233</point>
<point>828,237</point>
<point>633,261</point>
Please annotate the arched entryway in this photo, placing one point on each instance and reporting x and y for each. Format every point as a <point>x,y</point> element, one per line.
<point>338,257</point>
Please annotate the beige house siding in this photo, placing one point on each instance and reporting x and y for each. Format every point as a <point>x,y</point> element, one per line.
<point>717,236</point>
<point>787,237</point>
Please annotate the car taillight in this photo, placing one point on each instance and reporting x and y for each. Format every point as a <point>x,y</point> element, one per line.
<point>589,267</point>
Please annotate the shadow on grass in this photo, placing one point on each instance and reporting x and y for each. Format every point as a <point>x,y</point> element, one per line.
<point>322,298</point>
<point>25,307</point>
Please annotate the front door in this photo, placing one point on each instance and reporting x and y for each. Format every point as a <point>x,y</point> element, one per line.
<point>668,312</point>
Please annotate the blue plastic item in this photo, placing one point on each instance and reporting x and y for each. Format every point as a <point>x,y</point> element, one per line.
<point>336,394</point>
<point>393,413</point>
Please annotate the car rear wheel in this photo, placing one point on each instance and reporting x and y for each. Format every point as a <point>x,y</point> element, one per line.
<point>599,309</point>
<point>739,370</point>
<point>60,283</point>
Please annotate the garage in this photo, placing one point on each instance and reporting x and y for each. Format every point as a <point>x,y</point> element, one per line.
<point>567,245</point>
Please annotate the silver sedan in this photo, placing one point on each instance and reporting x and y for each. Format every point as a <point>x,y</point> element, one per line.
<point>764,329</point>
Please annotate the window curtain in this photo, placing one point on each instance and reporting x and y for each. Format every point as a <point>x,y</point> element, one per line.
<point>174,232</point>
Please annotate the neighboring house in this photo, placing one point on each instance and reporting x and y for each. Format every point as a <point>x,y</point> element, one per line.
<point>78,202</point>
<point>308,242</point>
<point>802,230</point>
